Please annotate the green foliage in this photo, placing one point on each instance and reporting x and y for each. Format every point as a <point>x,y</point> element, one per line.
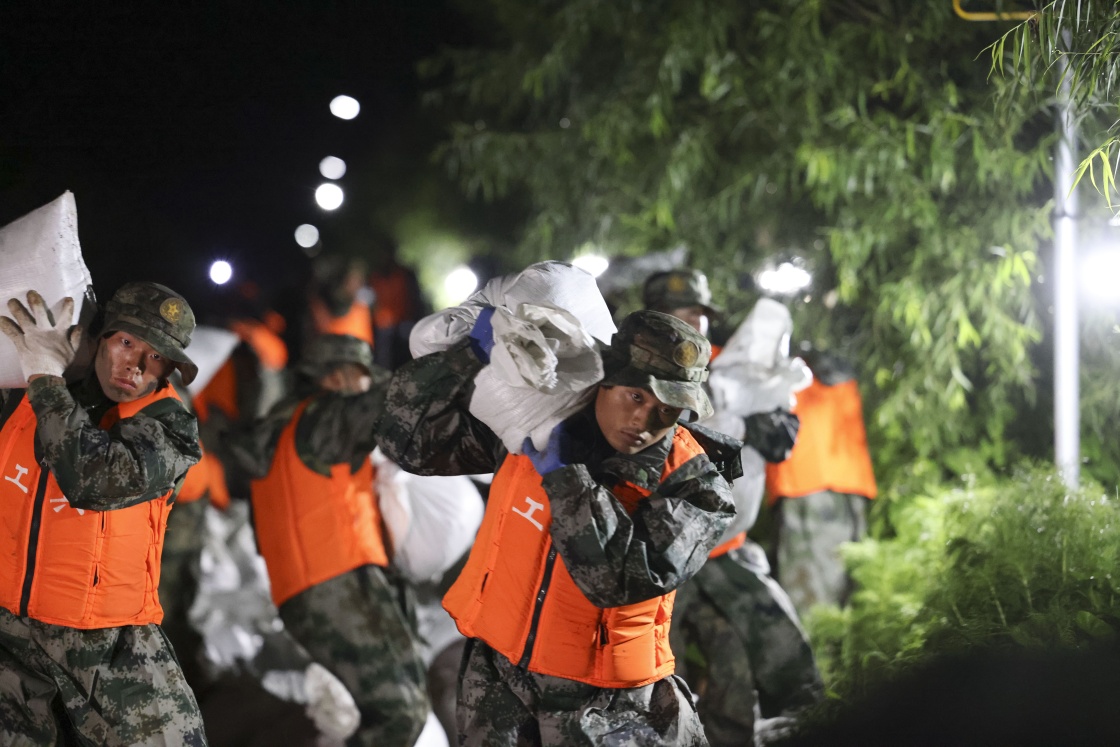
<point>1010,562</point>
<point>859,135</point>
<point>1072,44</point>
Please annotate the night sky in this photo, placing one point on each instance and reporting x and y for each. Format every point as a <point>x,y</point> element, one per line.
<point>193,131</point>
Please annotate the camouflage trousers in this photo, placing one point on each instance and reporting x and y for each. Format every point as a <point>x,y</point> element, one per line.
<point>740,646</point>
<point>810,531</point>
<point>502,705</point>
<point>355,625</point>
<point>95,688</point>
<point>178,583</point>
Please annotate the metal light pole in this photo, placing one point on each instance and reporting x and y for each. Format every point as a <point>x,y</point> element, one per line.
<point>1067,415</point>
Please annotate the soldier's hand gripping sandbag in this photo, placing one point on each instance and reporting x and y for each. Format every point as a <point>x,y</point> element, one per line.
<point>556,453</point>
<point>44,339</point>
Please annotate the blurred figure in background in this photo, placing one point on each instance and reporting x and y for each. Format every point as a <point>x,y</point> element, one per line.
<point>398,304</point>
<point>822,491</point>
<point>340,302</point>
<point>320,532</point>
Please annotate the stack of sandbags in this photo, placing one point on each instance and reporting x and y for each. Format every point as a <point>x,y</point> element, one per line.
<point>40,252</point>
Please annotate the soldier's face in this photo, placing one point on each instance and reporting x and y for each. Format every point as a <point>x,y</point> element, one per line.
<point>349,378</point>
<point>632,418</point>
<point>129,368</point>
<point>694,316</point>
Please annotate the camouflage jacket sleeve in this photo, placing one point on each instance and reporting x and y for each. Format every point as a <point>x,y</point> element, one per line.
<point>427,428</point>
<point>337,429</point>
<point>137,459</point>
<point>618,558</point>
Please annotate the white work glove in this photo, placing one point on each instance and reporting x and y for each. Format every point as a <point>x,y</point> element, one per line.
<point>44,339</point>
<point>330,705</point>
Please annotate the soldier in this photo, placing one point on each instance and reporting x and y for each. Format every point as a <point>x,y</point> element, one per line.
<point>755,653</point>
<point>568,591</point>
<point>89,473</point>
<point>320,533</point>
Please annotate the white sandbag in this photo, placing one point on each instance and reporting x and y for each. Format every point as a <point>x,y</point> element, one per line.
<point>210,348</point>
<point>432,735</point>
<point>432,521</point>
<point>554,283</point>
<point>40,252</point>
<point>753,374</point>
<point>543,368</point>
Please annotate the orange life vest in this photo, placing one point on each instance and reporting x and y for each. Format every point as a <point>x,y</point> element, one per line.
<point>831,449</point>
<point>394,297</point>
<point>70,566</point>
<point>310,527</point>
<point>267,345</point>
<point>208,477</point>
<point>516,594</point>
<point>220,393</point>
<point>357,322</point>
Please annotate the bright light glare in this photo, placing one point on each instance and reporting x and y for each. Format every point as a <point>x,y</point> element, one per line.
<point>787,278</point>
<point>220,272</point>
<point>307,235</point>
<point>460,283</point>
<point>329,196</point>
<point>592,264</point>
<point>345,107</point>
<point>332,167</point>
<point>1098,276</point>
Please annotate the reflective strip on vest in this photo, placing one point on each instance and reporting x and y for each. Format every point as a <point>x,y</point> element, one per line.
<point>69,566</point>
<point>310,527</point>
<point>831,448</point>
<point>495,596</point>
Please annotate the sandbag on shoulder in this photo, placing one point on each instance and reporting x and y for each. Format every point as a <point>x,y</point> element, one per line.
<point>40,252</point>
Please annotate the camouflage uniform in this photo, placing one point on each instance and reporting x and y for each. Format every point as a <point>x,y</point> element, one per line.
<point>180,571</point>
<point>754,655</point>
<point>736,630</point>
<point>613,557</point>
<point>811,528</point>
<point>119,685</point>
<point>359,624</point>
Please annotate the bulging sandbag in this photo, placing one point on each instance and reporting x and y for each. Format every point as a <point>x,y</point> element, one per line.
<point>40,252</point>
<point>545,362</point>
<point>551,283</point>
<point>543,368</point>
<point>754,374</point>
<point>432,520</point>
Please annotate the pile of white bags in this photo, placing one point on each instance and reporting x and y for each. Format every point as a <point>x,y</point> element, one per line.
<point>40,252</point>
<point>753,374</point>
<point>545,363</point>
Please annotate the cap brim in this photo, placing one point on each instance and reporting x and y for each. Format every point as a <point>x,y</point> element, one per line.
<point>687,395</point>
<point>163,345</point>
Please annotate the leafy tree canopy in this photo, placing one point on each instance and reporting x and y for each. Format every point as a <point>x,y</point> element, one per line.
<point>860,136</point>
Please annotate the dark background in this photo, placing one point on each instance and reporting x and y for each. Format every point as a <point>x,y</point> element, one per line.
<point>192,131</point>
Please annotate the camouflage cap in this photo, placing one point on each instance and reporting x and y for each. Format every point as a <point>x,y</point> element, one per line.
<point>325,352</point>
<point>157,315</point>
<point>661,353</point>
<point>676,289</point>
